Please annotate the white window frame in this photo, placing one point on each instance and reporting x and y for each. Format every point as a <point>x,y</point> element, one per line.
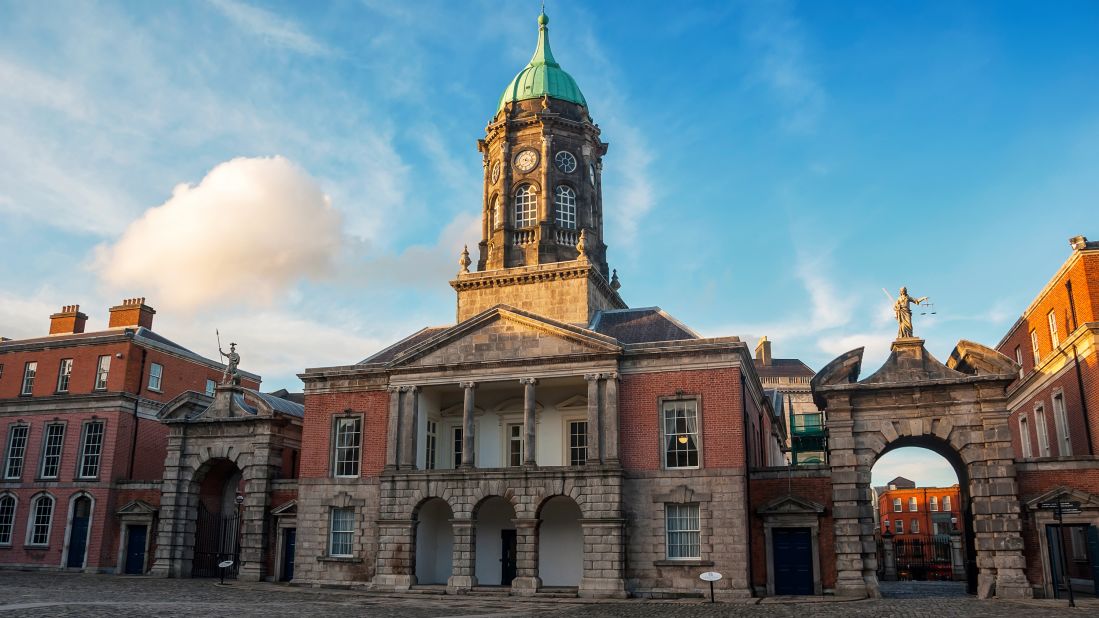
<point>1043,431</point>
<point>431,444</point>
<point>673,405</point>
<point>102,372</point>
<point>564,207</point>
<point>355,449</point>
<point>7,519</point>
<point>886,527</point>
<point>1024,436</point>
<point>686,533</point>
<point>495,212</point>
<point>897,505</point>
<point>51,451</point>
<point>156,376</point>
<point>913,506</point>
<point>64,374</point>
<point>334,550</point>
<point>1019,359</point>
<point>513,433</point>
<point>455,435</point>
<point>1051,317</point>
<point>30,371</point>
<point>567,441</point>
<point>899,526</point>
<point>526,206</point>
<point>1060,423</point>
<point>946,503</point>
<point>915,525</point>
<point>1034,348</point>
<point>91,454</point>
<point>933,503</point>
<point>32,520</point>
<point>211,387</point>
<point>10,447</point>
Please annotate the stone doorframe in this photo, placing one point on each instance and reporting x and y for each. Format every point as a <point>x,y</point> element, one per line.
<point>792,512</point>
<point>286,517</point>
<point>1089,505</point>
<point>134,513</point>
<point>960,410</point>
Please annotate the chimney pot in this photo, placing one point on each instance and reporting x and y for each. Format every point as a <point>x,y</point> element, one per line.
<point>132,313</point>
<point>68,321</point>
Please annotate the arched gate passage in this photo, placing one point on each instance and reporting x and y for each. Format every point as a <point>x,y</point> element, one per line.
<point>960,411</point>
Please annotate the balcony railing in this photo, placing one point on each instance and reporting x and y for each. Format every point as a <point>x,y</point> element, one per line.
<point>808,424</point>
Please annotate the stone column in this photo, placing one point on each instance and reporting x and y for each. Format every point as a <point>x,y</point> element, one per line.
<point>889,557</point>
<point>175,533</point>
<point>392,439</point>
<point>410,397</point>
<point>604,558</point>
<point>610,418</point>
<point>852,511</point>
<point>957,561</point>
<point>463,567</point>
<point>396,548</point>
<point>594,454</point>
<point>526,581</point>
<point>468,460</point>
<point>253,514</point>
<point>529,420</point>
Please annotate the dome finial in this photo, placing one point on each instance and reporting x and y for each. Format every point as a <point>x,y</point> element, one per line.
<point>543,19</point>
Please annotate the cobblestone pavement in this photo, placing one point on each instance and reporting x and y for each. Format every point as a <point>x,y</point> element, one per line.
<point>66,594</point>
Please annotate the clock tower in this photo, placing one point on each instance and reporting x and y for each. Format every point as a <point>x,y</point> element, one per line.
<point>542,213</point>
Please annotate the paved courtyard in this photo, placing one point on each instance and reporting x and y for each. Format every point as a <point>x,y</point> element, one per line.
<point>66,594</point>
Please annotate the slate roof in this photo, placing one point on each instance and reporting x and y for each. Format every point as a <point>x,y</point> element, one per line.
<point>392,351</point>
<point>642,325</point>
<point>284,406</point>
<point>783,368</point>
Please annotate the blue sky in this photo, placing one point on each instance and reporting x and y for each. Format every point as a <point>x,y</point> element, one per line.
<point>772,166</point>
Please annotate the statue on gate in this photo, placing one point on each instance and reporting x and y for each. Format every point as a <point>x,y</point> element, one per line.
<point>902,308</point>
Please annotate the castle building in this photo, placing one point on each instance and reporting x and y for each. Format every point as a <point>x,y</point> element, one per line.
<point>553,437</point>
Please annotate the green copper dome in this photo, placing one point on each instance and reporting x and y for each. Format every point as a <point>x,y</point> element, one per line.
<point>542,76</point>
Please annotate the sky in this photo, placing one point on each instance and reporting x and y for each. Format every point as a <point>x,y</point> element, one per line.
<point>303,176</point>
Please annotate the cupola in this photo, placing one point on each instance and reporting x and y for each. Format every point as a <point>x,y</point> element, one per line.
<point>542,76</point>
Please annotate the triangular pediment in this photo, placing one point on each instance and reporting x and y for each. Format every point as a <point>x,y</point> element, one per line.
<point>137,507</point>
<point>790,505</point>
<point>286,509</point>
<point>1064,494</point>
<point>504,334</point>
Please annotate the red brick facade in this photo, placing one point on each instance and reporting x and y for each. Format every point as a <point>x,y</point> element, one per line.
<point>946,500</point>
<point>812,486</point>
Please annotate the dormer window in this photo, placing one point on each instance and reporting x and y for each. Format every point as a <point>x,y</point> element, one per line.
<point>564,201</point>
<point>526,206</point>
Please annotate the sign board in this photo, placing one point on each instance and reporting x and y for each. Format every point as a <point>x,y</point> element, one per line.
<point>1063,504</point>
<point>225,564</point>
<point>710,576</point>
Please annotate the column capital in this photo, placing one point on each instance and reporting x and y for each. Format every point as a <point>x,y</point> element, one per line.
<point>467,385</point>
<point>412,389</point>
<point>609,376</point>
<point>393,388</point>
<point>592,377</point>
<point>528,380</point>
<point>405,389</point>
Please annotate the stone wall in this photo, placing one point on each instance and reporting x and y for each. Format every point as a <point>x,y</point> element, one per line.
<point>316,497</point>
<point>813,483</point>
<point>566,291</point>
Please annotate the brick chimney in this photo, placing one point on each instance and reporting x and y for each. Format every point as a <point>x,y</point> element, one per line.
<point>132,313</point>
<point>68,321</point>
<point>763,351</point>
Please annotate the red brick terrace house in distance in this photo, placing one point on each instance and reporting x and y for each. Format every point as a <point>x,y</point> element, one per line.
<point>83,451</point>
<point>1055,418</point>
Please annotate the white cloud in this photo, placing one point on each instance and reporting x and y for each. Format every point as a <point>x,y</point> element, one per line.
<point>272,28</point>
<point>30,87</point>
<point>876,343</point>
<point>248,231</point>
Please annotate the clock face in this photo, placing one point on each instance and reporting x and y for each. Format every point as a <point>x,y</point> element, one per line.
<point>591,173</point>
<point>565,161</point>
<point>526,160</point>
<point>496,172</point>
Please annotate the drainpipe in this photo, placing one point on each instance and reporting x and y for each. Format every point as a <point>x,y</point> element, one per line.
<point>137,419</point>
<point>1079,374</point>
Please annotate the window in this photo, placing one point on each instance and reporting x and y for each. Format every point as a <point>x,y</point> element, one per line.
<point>211,386</point>
<point>934,503</point>
<point>946,503</point>
<point>1019,359</point>
<point>886,526</point>
<point>63,372</point>
<point>101,371</point>
<point>900,526</point>
<point>515,445</point>
<point>7,518</point>
<point>1043,431</point>
<point>684,532</point>
<point>1060,421</point>
<point>432,439</point>
<point>38,528</point>
<point>897,505</point>
<point>912,504</point>
<point>578,443</point>
<point>1024,436</point>
<point>456,442</point>
<point>526,206</point>
<point>348,438</point>
<point>51,451</point>
<point>681,434</point>
<point>564,202</point>
<point>495,210</point>
<point>1034,348</point>
<point>1051,317</point>
<point>91,446</point>
<point>156,372</point>
<point>17,448</point>
<point>340,530</point>
<point>29,371</point>
<point>915,526</point>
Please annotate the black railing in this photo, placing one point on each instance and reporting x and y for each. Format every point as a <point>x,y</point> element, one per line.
<point>217,538</point>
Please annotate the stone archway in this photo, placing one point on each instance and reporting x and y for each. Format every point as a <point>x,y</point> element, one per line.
<point>434,545</point>
<point>960,411</point>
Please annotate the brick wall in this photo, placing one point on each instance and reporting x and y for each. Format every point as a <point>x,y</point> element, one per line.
<point>1037,478</point>
<point>923,510</point>
<point>317,430</point>
<point>815,486</point>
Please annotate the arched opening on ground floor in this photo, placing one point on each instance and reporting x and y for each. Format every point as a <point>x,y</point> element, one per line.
<point>434,542</point>
<point>495,541</point>
<point>79,526</point>
<point>560,542</point>
<point>923,519</point>
<point>217,526</point>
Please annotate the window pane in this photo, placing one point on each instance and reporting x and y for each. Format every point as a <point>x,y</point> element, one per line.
<point>30,370</point>
<point>341,529</point>
<point>17,447</point>
<point>348,435</point>
<point>683,531</point>
<point>681,434</point>
<point>564,201</point>
<point>64,371</point>
<point>51,450</point>
<point>578,443</point>
<point>155,373</point>
<point>91,449</point>
<point>7,519</point>
<point>101,371</point>
<point>41,516</point>
<point>525,206</point>
<point>457,446</point>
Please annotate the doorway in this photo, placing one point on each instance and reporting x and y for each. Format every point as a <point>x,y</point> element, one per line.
<point>78,532</point>
<point>136,538</point>
<point>289,540</point>
<point>793,555</point>
<point>1080,559</point>
<point>508,546</point>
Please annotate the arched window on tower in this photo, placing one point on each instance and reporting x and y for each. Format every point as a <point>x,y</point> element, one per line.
<point>564,201</point>
<point>526,206</point>
<point>495,212</point>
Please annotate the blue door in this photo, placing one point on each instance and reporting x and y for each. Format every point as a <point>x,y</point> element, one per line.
<point>135,549</point>
<point>288,543</point>
<point>793,558</point>
<point>78,533</point>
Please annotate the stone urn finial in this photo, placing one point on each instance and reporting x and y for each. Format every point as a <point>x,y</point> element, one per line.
<point>464,261</point>
<point>615,283</point>
<point>582,245</point>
